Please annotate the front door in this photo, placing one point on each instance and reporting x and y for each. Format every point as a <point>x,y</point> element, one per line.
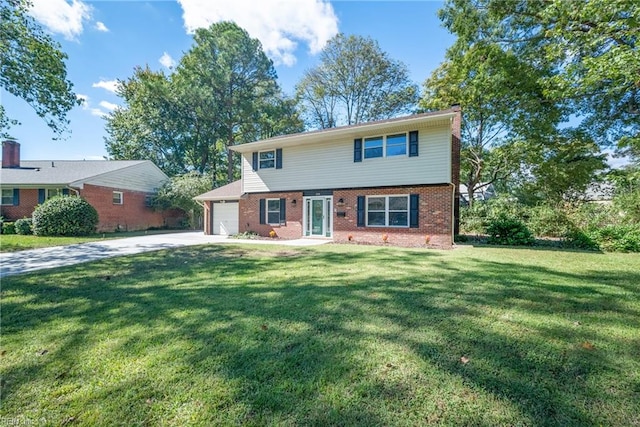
<point>317,216</point>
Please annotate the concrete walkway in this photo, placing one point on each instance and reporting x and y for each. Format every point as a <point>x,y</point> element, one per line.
<point>59,256</point>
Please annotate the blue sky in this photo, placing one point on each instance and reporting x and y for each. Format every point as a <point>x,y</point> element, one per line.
<point>105,40</point>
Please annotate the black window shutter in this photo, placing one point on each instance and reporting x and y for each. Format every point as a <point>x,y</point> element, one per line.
<point>262,211</point>
<point>414,209</point>
<point>65,191</point>
<point>255,161</point>
<point>16,197</point>
<point>413,143</point>
<point>41,195</point>
<point>283,211</point>
<point>357,150</point>
<point>360,211</point>
<point>279,158</point>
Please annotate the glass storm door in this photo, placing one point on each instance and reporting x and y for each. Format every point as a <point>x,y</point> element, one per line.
<point>318,217</point>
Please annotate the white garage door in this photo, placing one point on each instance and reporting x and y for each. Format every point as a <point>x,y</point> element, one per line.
<point>225,218</point>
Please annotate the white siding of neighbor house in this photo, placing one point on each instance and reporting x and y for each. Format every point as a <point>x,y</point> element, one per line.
<point>145,177</point>
<point>329,164</point>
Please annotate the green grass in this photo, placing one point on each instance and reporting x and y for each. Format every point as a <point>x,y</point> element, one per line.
<point>330,335</point>
<point>16,242</point>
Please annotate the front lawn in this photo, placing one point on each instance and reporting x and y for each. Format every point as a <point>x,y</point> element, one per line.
<point>17,242</point>
<point>329,335</point>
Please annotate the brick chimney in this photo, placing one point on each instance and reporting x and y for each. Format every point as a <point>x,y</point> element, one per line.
<point>10,154</point>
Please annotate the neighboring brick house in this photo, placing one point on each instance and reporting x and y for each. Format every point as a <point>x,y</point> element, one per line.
<point>397,177</point>
<point>118,189</point>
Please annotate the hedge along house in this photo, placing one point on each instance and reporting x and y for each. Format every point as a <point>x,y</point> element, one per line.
<point>118,189</point>
<point>397,178</point>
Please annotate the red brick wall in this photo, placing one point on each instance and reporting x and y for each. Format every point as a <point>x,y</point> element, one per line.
<point>249,207</point>
<point>28,202</point>
<point>132,215</point>
<point>434,220</point>
<point>435,217</point>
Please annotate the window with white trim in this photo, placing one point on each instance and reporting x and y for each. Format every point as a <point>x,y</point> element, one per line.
<point>388,211</point>
<point>7,196</point>
<point>267,159</point>
<point>273,211</point>
<point>385,146</point>
<point>118,198</point>
<point>53,192</point>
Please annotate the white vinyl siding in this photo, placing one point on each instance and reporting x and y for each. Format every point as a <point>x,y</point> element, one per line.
<point>330,165</point>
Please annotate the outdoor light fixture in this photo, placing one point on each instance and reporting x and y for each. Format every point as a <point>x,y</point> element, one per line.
<point>294,202</point>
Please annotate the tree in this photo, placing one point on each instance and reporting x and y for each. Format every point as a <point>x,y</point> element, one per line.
<point>561,170</point>
<point>355,82</point>
<point>506,113</point>
<point>179,192</point>
<point>591,47</point>
<point>32,67</point>
<point>224,92</point>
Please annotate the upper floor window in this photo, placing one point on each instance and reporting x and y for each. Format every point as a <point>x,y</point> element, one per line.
<point>267,159</point>
<point>118,198</point>
<point>7,196</point>
<point>385,146</point>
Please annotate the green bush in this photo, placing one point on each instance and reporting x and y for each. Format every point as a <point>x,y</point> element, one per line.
<point>506,230</point>
<point>64,216</point>
<point>24,226</point>
<point>549,221</point>
<point>8,228</point>
<point>578,239</point>
<point>618,238</point>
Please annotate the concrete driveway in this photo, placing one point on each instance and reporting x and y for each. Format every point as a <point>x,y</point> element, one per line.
<point>59,256</point>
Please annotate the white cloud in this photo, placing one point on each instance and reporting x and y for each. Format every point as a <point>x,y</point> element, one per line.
<point>109,85</point>
<point>60,16</point>
<point>108,105</point>
<point>167,61</point>
<point>97,112</point>
<point>83,98</point>
<point>101,27</point>
<point>278,24</point>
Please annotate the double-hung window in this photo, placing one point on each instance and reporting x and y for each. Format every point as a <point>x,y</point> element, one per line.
<point>388,211</point>
<point>118,198</point>
<point>273,211</point>
<point>385,146</point>
<point>7,196</point>
<point>54,192</point>
<point>267,159</point>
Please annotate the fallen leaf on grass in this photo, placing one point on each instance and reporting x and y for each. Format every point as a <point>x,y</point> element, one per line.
<point>588,346</point>
<point>43,352</point>
<point>464,360</point>
<point>3,352</point>
<point>264,327</point>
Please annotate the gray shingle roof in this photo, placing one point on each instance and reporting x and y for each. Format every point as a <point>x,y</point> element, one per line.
<point>231,191</point>
<point>60,172</point>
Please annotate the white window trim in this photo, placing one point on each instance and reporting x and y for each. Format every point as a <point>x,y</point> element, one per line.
<point>384,145</point>
<point>2,197</point>
<point>266,212</point>
<point>260,160</point>
<point>386,210</point>
<point>121,198</point>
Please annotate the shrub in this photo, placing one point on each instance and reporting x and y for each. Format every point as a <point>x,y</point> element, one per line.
<point>64,216</point>
<point>24,226</point>
<point>506,230</point>
<point>549,221</point>
<point>8,228</point>
<point>618,238</point>
<point>578,239</point>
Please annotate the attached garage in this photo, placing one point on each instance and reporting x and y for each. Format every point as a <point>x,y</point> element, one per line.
<point>225,218</point>
<point>221,209</point>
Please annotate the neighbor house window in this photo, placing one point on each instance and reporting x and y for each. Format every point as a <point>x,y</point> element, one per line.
<point>273,211</point>
<point>267,159</point>
<point>117,198</point>
<point>53,192</point>
<point>385,146</point>
<point>7,196</point>
<point>388,211</point>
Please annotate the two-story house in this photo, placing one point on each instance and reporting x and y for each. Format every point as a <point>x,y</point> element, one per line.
<point>395,180</point>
